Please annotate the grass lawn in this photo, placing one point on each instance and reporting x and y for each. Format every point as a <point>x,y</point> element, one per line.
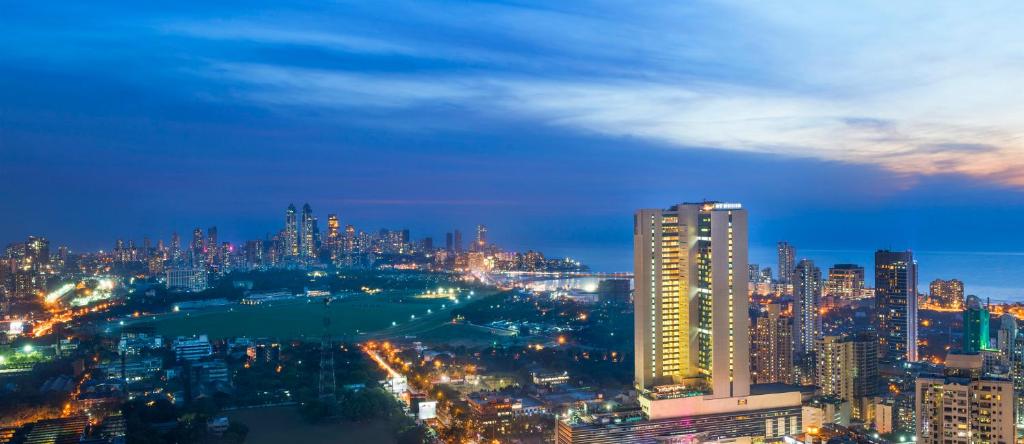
<point>304,320</point>
<point>276,425</point>
<point>297,319</point>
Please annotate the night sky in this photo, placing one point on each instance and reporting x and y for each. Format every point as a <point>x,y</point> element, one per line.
<point>843,128</point>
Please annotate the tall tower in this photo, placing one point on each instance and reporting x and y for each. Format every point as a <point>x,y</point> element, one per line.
<point>175,247</point>
<point>806,305</point>
<point>690,300</point>
<point>896,304</point>
<point>350,239</point>
<point>333,235</point>
<point>291,233</point>
<point>327,382</point>
<point>976,332</point>
<point>212,253</point>
<point>787,261</point>
<point>458,241</point>
<point>481,236</point>
<point>307,244</point>
<point>197,247</point>
<point>773,347</point>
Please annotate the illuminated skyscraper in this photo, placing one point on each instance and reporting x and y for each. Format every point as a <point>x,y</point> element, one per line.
<point>772,353</point>
<point>806,305</point>
<point>212,252</point>
<point>691,320</point>
<point>976,333</point>
<point>196,250</point>
<point>307,243</point>
<point>896,304</point>
<point>38,252</point>
<point>333,236</point>
<point>175,252</point>
<point>481,236</point>
<point>291,233</point>
<point>1011,346</point>
<point>787,261</point>
<point>349,246</point>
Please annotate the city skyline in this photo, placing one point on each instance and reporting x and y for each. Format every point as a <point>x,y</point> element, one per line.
<point>512,221</point>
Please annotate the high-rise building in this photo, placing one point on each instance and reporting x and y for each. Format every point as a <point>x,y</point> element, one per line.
<point>350,239</point>
<point>175,252</point>
<point>481,236</point>
<point>787,262</point>
<point>976,332</point>
<point>896,304</point>
<point>692,338</point>
<point>806,306</point>
<point>254,254</point>
<point>845,281</point>
<point>691,321</point>
<point>38,253</point>
<point>307,242</point>
<point>458,241</point>
<point>333,236</point>
<point>947,293</point>
<point>196,255</point>
<point>848,368</point>
<point>291,233</point>
<point>772,351</point>
<point>212,253</point>
<point>449,243</point>
<point>964,405</point>
<point>1011,348</point>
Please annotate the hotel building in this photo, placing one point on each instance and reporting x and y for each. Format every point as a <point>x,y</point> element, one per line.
<point>692,338</point>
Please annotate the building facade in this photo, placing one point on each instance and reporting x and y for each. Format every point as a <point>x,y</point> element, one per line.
<point>690,297</point>
<point>845,281</point>
<point>947,293</point>
<point>848,369</point>
<point>896,305</point>
<point>787,261</point>
<point>976,330</point>
<point>772,351</point>
<point>964,407</point>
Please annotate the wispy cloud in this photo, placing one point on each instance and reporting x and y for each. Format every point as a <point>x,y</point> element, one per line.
<point>917,89</point>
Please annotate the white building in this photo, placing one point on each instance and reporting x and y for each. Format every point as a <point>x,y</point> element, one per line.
<point>192,349</point>
<point>186,279</point>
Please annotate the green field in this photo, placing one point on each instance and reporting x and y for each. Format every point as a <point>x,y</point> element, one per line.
<point>351,317</point>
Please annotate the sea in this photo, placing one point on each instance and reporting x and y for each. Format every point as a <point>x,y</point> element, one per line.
<point>998,276</point>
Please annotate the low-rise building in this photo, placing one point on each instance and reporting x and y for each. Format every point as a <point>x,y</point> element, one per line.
<point>192,349</point>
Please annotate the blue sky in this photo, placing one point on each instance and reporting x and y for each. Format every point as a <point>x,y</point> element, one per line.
<point>844,126</point>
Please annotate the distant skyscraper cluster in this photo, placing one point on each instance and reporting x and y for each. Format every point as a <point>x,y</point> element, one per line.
<point>25,268</point>
<point>188,264</point>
